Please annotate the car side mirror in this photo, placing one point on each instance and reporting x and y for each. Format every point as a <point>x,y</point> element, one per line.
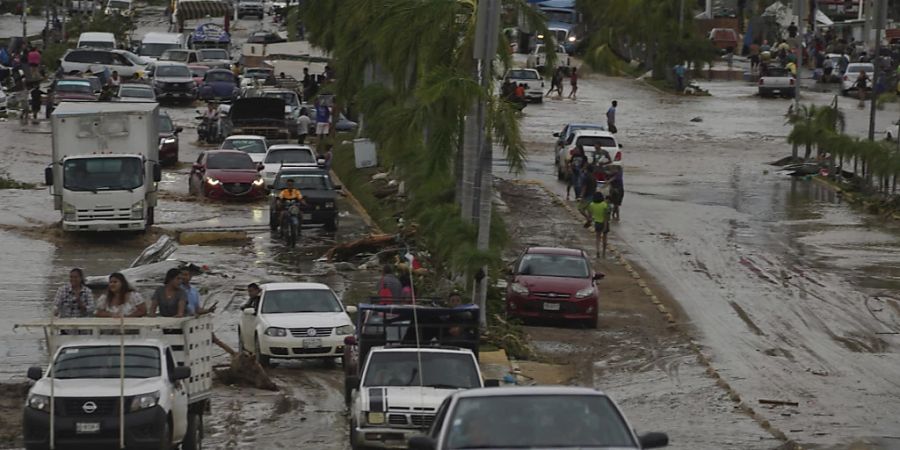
<point>180,373</point>
<point>351,309</point>
<point>350,340</point>
<point>555,134</point>
<point>48,176</point>
<point>353,382</point>
<point>260,166</point>
<point>422,443</point>
<point>338,187</point>
<point>653,440</point>
<point>157,172</point>
<point>493,382</point>
<point>35,373</point>
<point>179,129</point>
<point>197,167</point>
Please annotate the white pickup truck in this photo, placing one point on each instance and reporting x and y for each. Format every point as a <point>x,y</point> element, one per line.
<point>137,383</point>
<point>777,81</point>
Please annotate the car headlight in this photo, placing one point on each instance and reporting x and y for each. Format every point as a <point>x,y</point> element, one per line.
<point>375,418</point>
<point>38,402</point>
<point>137,210</point>
<point>571,38</point>
<point>540,36</point>
<point>212,181</point>
<point>167,141</point>
<point>275,331</point>
<point>68,210</point>
<point>586,292</point>
<point>344,330</point>
<point>519,289</point>
<point>144,401</point>
<point>258,182</point>
<point>329,204</point>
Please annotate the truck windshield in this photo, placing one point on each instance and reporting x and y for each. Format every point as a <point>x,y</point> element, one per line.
<point>106,174</point>
<point>104,362</point>
<point>290,156</point>
<point>300,301</point>
<point>213,53</point>
<point>439,370</point>
<point>319,182</point>
<point>153,50</point>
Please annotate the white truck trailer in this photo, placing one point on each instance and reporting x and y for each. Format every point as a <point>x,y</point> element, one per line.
<point>135,383</point>
<point>105,166</point>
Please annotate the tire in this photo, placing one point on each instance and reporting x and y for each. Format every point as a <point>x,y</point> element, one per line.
<point>353,444</point>
<point>332,224</point>
<point>193,438</point>
<point>540,100</point>
<point>262,359</point>
<point>592,323</point>
<point>165,443</point>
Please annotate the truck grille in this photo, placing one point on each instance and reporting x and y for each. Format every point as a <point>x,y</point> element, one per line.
<point>411,420</point>
<point>103,214</point>
<point>75,407</point>
<point>304,332</point>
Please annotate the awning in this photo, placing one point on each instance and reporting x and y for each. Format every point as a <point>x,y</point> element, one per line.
<point>199,9</point>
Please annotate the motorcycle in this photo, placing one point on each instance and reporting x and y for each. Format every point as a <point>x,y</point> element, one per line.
<point>290,221</point>
<point>208,130</point>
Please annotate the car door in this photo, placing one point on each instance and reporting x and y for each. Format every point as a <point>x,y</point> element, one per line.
<point>179,401</point>
<point>122,65</point>
<point>248,325</point>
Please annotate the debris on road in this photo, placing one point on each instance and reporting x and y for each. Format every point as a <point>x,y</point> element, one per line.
<point>243,370</point>
<point>778,402</point>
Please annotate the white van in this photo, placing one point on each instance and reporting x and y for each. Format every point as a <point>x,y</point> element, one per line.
<point>154,44</point>
<point>122,7</point>
<point>97,40</point>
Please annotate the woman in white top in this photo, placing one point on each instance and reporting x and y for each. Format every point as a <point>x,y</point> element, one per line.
<point>120,300</point>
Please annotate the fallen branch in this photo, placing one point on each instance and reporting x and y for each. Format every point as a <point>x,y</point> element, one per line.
<point>244,369</point>
<point>369,244</point>
<point>778,402</point>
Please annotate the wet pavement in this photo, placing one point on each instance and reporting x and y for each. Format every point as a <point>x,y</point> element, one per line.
<point>792,293</point>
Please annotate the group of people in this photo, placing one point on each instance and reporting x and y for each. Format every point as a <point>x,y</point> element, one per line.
<point>175,298</point>
<point>556,83</point>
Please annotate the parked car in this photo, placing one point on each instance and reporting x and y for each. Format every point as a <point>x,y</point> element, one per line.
<point>533,417</point>
<point>777,81</point>
<point>172,81</point>
<point>318,191</point>
<point>286,154</point>
<point>226,174</point>
<point>219,85</point>
<point>724,39</point>
<point>181,55</point>
<point>591,140</point>
<point>136,92</point>
<point>168,140</point>
<point>564,137</point>
<point>534,83</point>
<point>297,321</point>
<point>255,146</point>
<point>251,8</point>
<point>74,90</point>
<point>121,7</point>
<point>265,37</point>
<point>537,58</point>
<point>258,75</point>
<point>848,82</point>
<point>553,283</point>
<point>215,58</point>
<point>198,72</point>
<point>95,60</point>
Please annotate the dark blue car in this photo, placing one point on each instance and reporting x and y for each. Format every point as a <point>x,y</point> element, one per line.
<point>219,84</point>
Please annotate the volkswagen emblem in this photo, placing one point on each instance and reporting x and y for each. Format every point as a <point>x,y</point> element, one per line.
<point>311,332</point>
<point>89,407</point>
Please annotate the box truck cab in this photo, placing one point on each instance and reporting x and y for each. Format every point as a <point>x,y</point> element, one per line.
<point>105,166</point>
<point>154,44</point>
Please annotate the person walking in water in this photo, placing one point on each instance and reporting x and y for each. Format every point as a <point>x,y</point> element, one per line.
<point>611,118</point>
<point>573,81</point>
<point>597,212</point>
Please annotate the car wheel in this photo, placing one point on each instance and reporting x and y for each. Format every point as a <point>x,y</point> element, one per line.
<point>165,443</point>
<point>332,224</point>
<point>353,444</point>
<point>193,438</point>
<point>592,323</point>
<point>262,359</point>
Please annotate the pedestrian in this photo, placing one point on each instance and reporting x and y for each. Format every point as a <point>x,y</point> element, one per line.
<point>302,126</point>
<point>328,156</point>
<point>611,118</point>
<point>236,69</point>
<point>389,286</point>
<point>120,300</point>
<point>170,299</point>
<point>455,299</point>
<point>37,96</point>
<point>577,163</point>
<point>862,83</point>
<point>194,304</point>
<point>323,121</point>
<point>573,81</point>
<point>74,299</point>
<point>588,184</point>
<point>4,57</point>
<point>754,56</point>
<point>253,295</point>
<point>729,59</point>
<point>765,47</point>
<point>556,82</point>
<point>616,189</point>
<point>792,30</point>
<point>114,80</point>
<point>597,212</point>
<point>679,77</point>
<point>34,59</point>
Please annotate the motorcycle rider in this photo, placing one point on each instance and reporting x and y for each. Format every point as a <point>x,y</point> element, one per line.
<point>289,193</point>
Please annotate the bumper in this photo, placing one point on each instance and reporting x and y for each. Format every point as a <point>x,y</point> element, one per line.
<point>176,95</point>
<point>142,430</point>
<point>534,95</point>
<point>321,216</point>
<point>105,225</point>
<point>289,347</point>
<point>220,193</point>
<point>383,437</point>
<point>786,91</point>
<point>544,308</point>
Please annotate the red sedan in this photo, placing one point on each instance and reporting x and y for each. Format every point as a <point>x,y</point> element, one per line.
<point>226,174</point>
<point>553,283</point>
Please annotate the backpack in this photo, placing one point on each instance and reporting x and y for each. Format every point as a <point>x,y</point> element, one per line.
<point>577,162</point>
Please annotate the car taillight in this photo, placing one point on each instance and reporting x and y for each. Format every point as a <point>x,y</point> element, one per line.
<point>761,82</point>
<point>846,78</point>
<point>619,156</point>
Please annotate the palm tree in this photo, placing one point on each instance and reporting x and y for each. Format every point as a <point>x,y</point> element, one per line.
<point>806,128</point>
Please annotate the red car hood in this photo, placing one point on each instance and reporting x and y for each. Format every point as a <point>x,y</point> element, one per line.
<point>553,284</point>
<point>233,176</point>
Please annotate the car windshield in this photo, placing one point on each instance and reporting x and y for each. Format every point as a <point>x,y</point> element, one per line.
<point>97,44</point>
<point>230,161</point>
<point>153,50</point>
<point>545,265</point>
<point>288,156</point>
<point>289,98</point>
<point>245,145</point>
<point>522,75</point>
<point>857,68</point>
<point>305,182</point>
<point>119,5</point>
<point>103,174</point>
<point>173,71</point>
<point>136,92</point>
<point>174,55</point>
<point>540,421</point>
<point>300,301</point>
<point>258,73</point>
<point>595,141</point>
<point>213,53</point>
<point>776,72</point>
<point>103,362</point>
<point>439,369</point>
<point>79,87</point>
<point>220,76</point>
<point>560,16</point>
<point>165,124</point>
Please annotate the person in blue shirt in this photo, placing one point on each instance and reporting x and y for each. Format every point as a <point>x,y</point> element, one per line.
<point>323,120</point>
<point>194,306</point>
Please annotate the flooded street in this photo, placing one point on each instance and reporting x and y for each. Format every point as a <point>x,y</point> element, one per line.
<point>792,293</point>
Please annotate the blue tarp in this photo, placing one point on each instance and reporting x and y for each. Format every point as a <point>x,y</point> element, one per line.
<point>210,32</point>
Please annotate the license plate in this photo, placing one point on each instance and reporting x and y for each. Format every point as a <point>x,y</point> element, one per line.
<point>307,217</point>
<point>87,427</point>
<point>551,306</point>
<point>776,91</point>
<point>312,343</point>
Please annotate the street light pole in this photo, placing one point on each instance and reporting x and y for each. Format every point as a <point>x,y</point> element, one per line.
<point>800,21</point>
<point>879,14</point>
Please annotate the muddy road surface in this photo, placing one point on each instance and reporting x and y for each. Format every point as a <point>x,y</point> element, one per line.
<point>792,293</point>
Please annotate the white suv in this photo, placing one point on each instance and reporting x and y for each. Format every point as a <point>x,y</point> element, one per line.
<point>295,320</point>
<point>590,140</point>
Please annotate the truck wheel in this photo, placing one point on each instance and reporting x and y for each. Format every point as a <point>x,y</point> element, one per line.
<point>165,441</point>
<point>331,225</point>
<point>193,438</point>
<point>262,359</point>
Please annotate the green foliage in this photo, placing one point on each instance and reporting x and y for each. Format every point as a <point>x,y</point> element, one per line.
<point>118,25</point>
<point>53,54</point>
<point>9,183</point>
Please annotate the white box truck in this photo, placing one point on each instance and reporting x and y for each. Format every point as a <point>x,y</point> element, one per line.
<point>135,383</point>
<point>105,166</point>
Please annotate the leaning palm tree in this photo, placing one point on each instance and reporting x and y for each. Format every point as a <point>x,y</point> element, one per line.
<point>806,129</point>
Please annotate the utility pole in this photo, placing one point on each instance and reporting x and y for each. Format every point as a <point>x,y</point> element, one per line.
<point>680,19</point>
<point>798,5</point>
<point>487,28</point>
<point>879,17</point>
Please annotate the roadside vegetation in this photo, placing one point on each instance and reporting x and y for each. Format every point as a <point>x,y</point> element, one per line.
<point>9,183</point>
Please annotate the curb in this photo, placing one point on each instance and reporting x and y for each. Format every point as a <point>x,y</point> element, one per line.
<point>704,360</point>
<point>356,204</point>
<point>851,197</point>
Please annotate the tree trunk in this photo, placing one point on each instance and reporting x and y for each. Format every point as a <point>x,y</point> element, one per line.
<point>808,151</point>
<point>794,152</point>
<point>471,137</point>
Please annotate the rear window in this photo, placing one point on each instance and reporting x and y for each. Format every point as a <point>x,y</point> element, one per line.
<point>778,72</point>
<point>857,68</point>
<point>596,141</point>
<point>522,75</point>
<point>290,156</point>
